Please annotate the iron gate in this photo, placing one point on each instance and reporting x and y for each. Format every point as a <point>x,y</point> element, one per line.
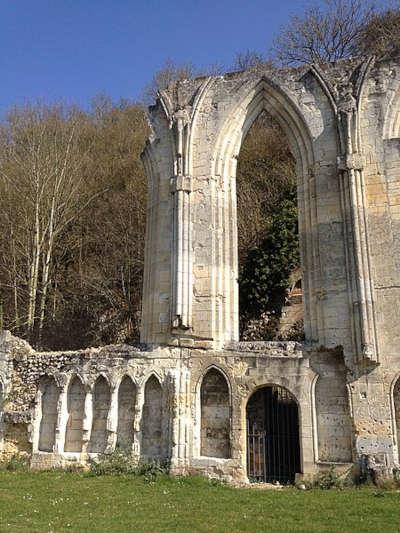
<point>273,450</point>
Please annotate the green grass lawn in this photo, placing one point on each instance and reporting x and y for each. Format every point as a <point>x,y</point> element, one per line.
<point>54,501</point>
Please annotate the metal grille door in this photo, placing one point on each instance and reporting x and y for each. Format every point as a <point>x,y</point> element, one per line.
<point>273,450</point>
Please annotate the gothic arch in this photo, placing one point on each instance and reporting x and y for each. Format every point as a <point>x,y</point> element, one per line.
<point>259,96</point>
<point>49,396</point>
<point>215,402</point>
<point>126,413</point>
<point>101,407</point>
<point>76,412</point>
<point>152,419</point>
<point>218,369</point>
<point>151,374</point>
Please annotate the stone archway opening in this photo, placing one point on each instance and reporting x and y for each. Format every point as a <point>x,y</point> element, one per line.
<point>273,443</point>
<point>270,295</point>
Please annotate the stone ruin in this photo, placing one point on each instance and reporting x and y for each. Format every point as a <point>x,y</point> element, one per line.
<point>191,392</point>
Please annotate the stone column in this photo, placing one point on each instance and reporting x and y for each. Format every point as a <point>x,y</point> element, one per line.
<point>181,186</point>
<point>137,430</point>
<point>181,256</point>
<point>62,420</point>
<point>88,419</point>
<point>112,420</point>
<point>37,417</point>
<point>360,283</point>
<point>180,452</point>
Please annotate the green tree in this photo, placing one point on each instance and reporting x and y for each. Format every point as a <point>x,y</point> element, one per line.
<point>264,275</point>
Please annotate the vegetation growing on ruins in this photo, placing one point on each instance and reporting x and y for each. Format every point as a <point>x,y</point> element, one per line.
<point>57,501</point>
<point>267,231</point>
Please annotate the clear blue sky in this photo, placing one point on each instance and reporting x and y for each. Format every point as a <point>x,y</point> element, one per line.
<point>71,50</point>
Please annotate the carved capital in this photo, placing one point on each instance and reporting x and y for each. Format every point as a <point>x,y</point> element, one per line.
<point>181,117</point>
<point>180,183</point>
<point>351,162</point>
<point>369,353</point>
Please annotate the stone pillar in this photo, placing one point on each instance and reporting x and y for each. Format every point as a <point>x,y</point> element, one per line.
<point>371,409</point>
<point>112,420</point>
<point>37,416</point>
<point>352,188</point>
<point>181,254</point>
<point>181,268</point>
<point>137,430</point>
<point>181,421</point>
<point>62,420</point>
<point>88,419</point>
<point>358,263</point>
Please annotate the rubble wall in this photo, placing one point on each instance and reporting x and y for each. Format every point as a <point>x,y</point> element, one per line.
<point>184,406</point>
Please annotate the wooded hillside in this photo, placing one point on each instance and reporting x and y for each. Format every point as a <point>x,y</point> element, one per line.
<point>72,203</point>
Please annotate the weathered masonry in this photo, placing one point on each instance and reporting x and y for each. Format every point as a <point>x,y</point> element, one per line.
<point>191,392</point>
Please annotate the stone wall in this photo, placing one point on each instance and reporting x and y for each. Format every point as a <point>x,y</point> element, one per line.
<point>187,406</point>
<point>191,378</point>
<point>183,405</point>
<point>342,123</point>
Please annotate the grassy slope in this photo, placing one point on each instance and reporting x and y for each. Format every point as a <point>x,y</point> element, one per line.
<point>74,502</point>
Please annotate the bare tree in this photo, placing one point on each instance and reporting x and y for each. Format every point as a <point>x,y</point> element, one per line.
<point>167,74</point>
<point>324,33</point>
<point>265,173</point>
<point>171,72</point>
<point>381,35</point>
<point>72,222</point>
<point>41,176</point>
<point>250,59</point>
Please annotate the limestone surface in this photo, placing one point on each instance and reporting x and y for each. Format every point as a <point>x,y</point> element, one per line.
<point>192,393</point>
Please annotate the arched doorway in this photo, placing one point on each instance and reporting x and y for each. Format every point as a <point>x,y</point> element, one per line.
<point>273,446</point>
